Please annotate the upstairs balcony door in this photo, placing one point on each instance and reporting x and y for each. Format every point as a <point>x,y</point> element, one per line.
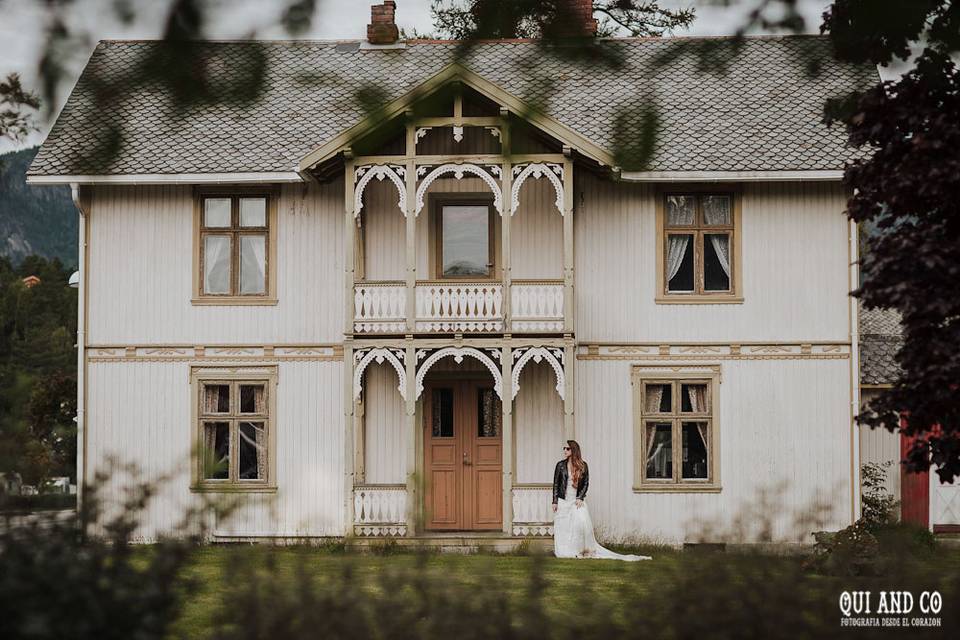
<point>463,456</point>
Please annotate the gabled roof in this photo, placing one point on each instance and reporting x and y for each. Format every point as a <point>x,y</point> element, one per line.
<point>763,113</point>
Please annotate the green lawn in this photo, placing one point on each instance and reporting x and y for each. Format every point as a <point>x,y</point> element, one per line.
<point>725,580</point>
<point>564,578</point>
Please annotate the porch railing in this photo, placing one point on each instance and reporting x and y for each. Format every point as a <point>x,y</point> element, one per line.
<point>536,306</point>
<point>380,510</point>
<point>532,512</point>
<point>380,307</point>
<point>459,306</point>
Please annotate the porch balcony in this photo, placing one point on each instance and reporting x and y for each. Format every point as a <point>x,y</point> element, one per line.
<point>380,511</point>
<point>536,306</point>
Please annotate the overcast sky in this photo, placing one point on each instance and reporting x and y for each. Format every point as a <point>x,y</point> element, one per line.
<point>22,23</point>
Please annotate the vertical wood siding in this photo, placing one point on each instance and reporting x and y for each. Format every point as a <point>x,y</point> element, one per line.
<point>141,270</point>
<point>385,419</point>
<point>536,233</point>
<point>784,455</point>
<point>794,268</point>
<point>537,424</point>
<point>140,413</point>
<point>880,445</point>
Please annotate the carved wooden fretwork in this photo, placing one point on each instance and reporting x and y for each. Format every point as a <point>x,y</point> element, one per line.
<point>553,172</point>
<point>554,358</point>
<point>494,131</point>
<point>380,510</point>
<point>421,132</point>
<point>366,173</point>
<point>458,171</point>
<point>458,354</point>
<point>364,357</point>
<point>458,134</point>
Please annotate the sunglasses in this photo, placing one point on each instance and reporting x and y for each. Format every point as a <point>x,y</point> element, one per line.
<point>566,448</point>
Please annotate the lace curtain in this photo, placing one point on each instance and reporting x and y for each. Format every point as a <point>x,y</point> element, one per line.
<point>680,211</point>
<point>654,397</point>
<point>716,210</point>
<point>698,397</point>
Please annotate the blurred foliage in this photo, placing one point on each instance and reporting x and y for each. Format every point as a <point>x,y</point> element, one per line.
<point>38,327</point>
<point>57,581</point>
<point>907,189</point>
<point>878,505</point>
<point>16,108</point>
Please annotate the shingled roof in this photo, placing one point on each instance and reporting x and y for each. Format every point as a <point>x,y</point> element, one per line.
<point>880,339</point>
<point>762,113</point>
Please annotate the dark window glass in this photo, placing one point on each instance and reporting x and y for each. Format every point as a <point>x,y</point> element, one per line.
<point>680,262</point>
<point>465,237</point>
<point>442,413</point>
<point>693,398</point>
<point>659,450</point>
<point>488,414</point>
<point>253,446</point>
<point>216,438</point>
<point>716,262</point>
<point>252,398</point>
<point>216,398</point>
<point>695,450</point>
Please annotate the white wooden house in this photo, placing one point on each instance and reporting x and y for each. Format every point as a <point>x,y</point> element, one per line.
<point>382,316</point>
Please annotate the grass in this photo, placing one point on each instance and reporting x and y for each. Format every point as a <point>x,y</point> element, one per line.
<point>564,578</point>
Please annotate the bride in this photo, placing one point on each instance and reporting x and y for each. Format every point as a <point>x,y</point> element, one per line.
<point>572,528</point>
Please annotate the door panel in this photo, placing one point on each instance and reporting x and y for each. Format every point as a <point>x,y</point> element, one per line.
<point>463,457</point>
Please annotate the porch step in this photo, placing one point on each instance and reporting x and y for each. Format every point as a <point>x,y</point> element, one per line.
<point>453,543</point>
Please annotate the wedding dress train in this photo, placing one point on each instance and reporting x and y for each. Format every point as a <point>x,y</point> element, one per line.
<point>573,532</point>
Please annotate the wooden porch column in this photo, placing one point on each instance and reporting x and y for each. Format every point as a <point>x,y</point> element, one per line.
<point>569,422</point>
<point>349,229</point>
<point>410,179</point>
<point>506,180</point>
<point>410,432</point>
<point>506,438</point>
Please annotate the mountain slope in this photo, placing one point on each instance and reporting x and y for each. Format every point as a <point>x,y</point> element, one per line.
<point>37,220</point>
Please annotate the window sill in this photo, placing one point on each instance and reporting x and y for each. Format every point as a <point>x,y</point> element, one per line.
<point>234,301</point>
<point>232,488</point>
<point>699,300</point>
<point>677,488</point>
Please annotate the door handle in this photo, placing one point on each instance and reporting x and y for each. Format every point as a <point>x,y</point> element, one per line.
<point>466,460</point>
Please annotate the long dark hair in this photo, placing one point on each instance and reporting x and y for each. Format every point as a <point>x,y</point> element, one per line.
<point>576,461</point>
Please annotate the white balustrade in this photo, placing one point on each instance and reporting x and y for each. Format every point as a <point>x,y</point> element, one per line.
<point>532,510</point>
<point>380,510</point>
<point>537,306</point>
<point>459,306</point>
<point>379,307</point>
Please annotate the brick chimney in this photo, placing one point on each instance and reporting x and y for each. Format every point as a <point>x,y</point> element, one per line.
<point>383,27</point>
<point>582,22</point>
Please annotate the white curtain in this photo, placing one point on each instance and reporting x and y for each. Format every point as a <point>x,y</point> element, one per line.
<point>253,263</point>
<point>675,252</point>
<point>716,210</point>
<point>721,245</point>
<point>216,263</point>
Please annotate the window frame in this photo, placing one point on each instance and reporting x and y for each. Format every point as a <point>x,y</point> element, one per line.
<point>200,231</point>
<point>200,376</point>
<point>677,376</point>
<point>437,203</point>
<point>698,229</point>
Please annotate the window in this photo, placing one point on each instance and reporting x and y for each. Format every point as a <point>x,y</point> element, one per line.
<point>676,431</point>
<point>235,254</point>
<point>698,256</point>
<point>465,240</point>
<point>234,429</point>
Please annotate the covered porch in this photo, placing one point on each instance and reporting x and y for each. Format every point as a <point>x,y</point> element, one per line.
<point>457,442</point>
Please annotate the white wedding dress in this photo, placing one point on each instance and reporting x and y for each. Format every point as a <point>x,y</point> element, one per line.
<point>573,532</point>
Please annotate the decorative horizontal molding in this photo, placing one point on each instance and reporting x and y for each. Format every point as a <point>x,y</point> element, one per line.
<point>213,353</point>
<point>731,176</point>
<point>172,178</point>
<point>716,351</point>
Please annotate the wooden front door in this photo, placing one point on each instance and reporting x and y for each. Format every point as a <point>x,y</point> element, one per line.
<point>462,457</point>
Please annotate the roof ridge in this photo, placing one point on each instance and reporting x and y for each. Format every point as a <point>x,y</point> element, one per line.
<point>416,41</point>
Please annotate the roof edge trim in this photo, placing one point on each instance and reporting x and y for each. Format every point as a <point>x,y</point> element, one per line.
<point>171,178</point>
<point>827,175</point>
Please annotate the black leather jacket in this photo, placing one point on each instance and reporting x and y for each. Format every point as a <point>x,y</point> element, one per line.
<point>560,482</point>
